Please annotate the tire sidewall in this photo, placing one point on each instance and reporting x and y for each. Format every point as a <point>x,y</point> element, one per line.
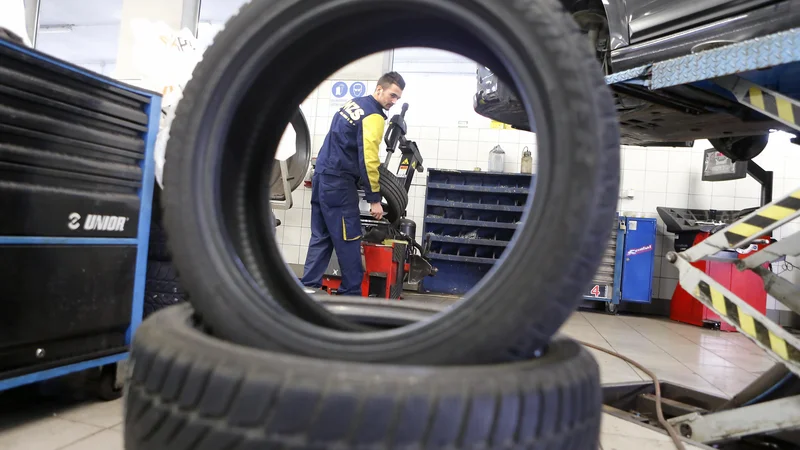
<point>230,299</point>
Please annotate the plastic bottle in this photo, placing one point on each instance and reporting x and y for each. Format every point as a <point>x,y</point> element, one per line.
<point>497,159</point>
<point>527,161</point>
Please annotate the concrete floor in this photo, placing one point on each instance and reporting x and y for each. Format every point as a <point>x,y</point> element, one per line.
<point>712,361</point>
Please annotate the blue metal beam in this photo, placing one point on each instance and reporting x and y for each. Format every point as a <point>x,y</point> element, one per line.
<point>59,371</point>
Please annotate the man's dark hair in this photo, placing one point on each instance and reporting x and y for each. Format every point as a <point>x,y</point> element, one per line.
<point>388,79</point>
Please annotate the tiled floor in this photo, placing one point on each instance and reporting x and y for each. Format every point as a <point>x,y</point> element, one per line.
<point>715,362</point>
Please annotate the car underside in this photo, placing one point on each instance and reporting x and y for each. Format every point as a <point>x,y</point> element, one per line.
<point>677,115</point>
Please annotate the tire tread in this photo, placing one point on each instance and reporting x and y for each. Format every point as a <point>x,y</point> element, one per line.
<point>298,409</point>
<point>396,197</point>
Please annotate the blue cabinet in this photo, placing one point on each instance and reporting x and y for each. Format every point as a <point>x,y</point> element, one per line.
<point>637,267</point>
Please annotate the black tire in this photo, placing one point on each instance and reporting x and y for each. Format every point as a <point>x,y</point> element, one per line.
<point>157,249</point>
<point>188,390</point>
<point>162,287</point>
<point>519,305</point>
<point>392,191</point>
<point>741,148</point>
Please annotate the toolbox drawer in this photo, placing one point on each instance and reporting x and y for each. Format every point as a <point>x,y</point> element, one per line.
<point>60,302</point>
<point>71,151</point>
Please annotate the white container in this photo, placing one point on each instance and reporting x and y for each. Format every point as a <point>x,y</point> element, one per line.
<point>497,159</point>
<point>527,161</point>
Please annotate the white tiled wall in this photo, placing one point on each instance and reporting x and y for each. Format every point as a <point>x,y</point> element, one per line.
<point>449,147</point>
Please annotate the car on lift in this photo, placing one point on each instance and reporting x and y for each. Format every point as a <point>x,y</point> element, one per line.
<point>626,34</point>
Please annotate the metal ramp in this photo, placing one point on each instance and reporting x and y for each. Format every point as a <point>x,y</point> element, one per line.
<point>779,343</point>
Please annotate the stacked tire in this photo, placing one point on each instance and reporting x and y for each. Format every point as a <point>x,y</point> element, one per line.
<point>162,286</point>
<point>254,362</point>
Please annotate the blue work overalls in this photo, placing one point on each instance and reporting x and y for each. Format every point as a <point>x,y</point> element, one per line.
<point>349,159</point>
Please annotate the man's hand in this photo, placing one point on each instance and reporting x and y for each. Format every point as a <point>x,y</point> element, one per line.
<point>376,210</point>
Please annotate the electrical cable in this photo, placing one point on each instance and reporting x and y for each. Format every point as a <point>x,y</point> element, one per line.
<point>676,439</point>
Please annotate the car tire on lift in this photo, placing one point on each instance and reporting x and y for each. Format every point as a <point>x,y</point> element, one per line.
<point>188,390</point>
<point>215,163</point>
<point>392,191</point>
<point>157,249</point>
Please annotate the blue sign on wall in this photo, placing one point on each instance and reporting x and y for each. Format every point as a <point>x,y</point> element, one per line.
<point>339,89</point>
<point>358,89</point>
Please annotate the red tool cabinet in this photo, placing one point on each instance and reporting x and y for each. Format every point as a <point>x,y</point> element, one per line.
<point>745,284</point>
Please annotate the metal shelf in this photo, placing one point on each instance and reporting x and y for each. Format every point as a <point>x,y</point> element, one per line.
<point>471,223</point>
<point>477,206</point>
<point>469,241</point>
<point>474,188</point>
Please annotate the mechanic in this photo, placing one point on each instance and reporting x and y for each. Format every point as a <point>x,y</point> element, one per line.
<point>349,155</point>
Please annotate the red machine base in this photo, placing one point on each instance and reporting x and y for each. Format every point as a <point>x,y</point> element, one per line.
<point>384,274</point>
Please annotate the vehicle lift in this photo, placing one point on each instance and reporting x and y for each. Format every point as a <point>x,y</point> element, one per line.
<point>393,259</point>
<point>766,414</point>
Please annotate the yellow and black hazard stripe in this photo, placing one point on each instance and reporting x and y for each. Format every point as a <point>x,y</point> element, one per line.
<point>763,219</point>
<point>752,327</point>
<point>775,105</point>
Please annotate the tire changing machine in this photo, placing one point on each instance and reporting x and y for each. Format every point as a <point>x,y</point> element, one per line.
<point>77,172</point>
<point>766,414</point>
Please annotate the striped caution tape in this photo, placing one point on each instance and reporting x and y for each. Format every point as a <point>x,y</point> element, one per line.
<point>750,325</point>
<point>777,106</point>
<point>763,219</point>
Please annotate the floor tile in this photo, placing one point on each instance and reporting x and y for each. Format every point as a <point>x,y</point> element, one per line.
<point>749,362</point>
<point>730,380</point>
<point>48,433</point>
<point>615,442</point>
<point>101,414</point>
<point>614,370</point>
<point>619,434</point>
<point>104,440</point>
<point>696,355</point>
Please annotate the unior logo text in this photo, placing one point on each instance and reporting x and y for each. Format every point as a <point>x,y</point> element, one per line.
<point>97,222</point>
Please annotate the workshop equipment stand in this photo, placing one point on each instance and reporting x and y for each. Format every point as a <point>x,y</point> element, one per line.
<point>77,172</point>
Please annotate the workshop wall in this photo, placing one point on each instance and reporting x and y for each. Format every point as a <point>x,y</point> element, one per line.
<point>440,119</point>
<point>449,147</point>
